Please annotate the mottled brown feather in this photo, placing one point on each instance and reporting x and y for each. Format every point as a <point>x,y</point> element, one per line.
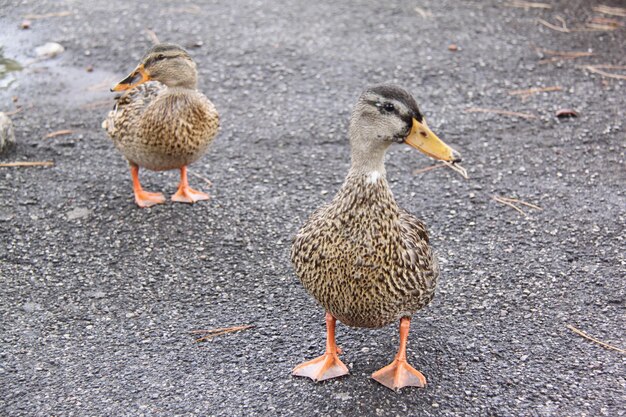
<point>161,128</point>
<point>364,259</point>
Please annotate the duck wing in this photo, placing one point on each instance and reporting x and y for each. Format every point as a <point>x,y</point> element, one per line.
<point>419,257</point>
<point>129,108</point>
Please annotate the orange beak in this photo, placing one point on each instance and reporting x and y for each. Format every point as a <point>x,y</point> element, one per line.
<point>423,139</point>
<point>138,76</point>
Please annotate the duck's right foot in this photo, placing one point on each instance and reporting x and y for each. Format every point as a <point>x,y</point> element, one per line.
<point>146,199</point>
<point>325,367</point>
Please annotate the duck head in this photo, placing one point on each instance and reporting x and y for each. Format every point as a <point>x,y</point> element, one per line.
<point>387,114</point>
<point>167,63</point>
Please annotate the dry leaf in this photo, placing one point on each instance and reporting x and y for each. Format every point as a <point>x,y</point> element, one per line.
<point>563,113</point>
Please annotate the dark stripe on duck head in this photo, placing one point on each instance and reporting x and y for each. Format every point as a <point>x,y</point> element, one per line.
<point>163,51</point>
<point>393,92</point>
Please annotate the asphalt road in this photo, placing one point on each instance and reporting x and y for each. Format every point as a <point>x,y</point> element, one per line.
<point>98,297</point>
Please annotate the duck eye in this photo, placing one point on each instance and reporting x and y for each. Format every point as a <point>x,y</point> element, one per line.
<point>160,57</point>
<point>389,107</point>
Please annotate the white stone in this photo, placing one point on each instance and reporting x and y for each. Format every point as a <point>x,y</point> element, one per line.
<point>7,136</point>
<point>49,50</point>
<point>78,213</point>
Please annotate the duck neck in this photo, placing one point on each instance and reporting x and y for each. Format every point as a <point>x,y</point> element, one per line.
<point>178,91</point>
<point>368,161</point>
<point>365,184</point>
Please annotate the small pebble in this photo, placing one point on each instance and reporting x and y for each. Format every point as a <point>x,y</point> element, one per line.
<point>49,50</point>
<point>78,213</point>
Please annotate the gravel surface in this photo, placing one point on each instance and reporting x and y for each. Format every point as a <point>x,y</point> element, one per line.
<point>98,297</point>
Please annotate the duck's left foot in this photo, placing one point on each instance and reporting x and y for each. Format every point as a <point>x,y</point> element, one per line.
<point>399,374</point>
<point>185,193</point>
<point>189,195</point>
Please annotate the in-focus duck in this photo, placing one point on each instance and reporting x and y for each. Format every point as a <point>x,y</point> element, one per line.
<point>364,259</point>
<point>162,122</point>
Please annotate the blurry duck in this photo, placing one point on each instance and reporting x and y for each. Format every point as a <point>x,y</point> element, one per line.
<point>364,259</point>
<point>162,122</point>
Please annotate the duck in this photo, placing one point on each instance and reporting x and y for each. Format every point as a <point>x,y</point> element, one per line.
<point>161,122</point>
<point>364,259</point>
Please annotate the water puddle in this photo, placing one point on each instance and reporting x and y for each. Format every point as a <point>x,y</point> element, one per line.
<point>48,81</point>
<point>7,69</point>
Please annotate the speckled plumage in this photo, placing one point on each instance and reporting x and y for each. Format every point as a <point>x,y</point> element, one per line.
<point>161,128</point>
<point>364,259</point>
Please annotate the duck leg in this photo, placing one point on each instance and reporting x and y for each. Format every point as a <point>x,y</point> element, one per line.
<point>185,193</point>
<point>399,373</point>
<point>143,198</point>
<point>328,365</point>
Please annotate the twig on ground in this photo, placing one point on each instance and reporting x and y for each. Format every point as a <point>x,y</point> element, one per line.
<point>59,133</point>
<point>563,28</point>
<point>152,36</point>
<point>514,200</point>
<point>209,334</point>
<point>613,11</point>
<point>598,27</point>
<point>496,198</point>
<point>610,66</point>
<point>597,20</point>
<point>589,26</point>
<point>497,111</point>
<point>524,94</point>
<point>193,9</point>
<point>564,54</point>
<point>593,339</point>
<point>27,164</point>
<point>527,5</point>
<point>597,70</point>
<point>46,15</point>
<point>424,13</point>
<point>511,202</point>
<point>561,55</point>
<point>456,167</point>
<point>430,168</point>
<point>14,112</point>
<point>208,181</point>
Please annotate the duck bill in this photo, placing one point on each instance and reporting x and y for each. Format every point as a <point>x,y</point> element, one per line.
<point>138,76</point>
<point>423,139</point>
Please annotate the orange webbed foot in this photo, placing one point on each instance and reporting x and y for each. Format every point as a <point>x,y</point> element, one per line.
<point>143,198</point>
<point>328,365</point>
<point>325,367</point>
<point>146,199</point>
<point>185,193</point>
<point>189,195</point>
<point>399,374</point>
